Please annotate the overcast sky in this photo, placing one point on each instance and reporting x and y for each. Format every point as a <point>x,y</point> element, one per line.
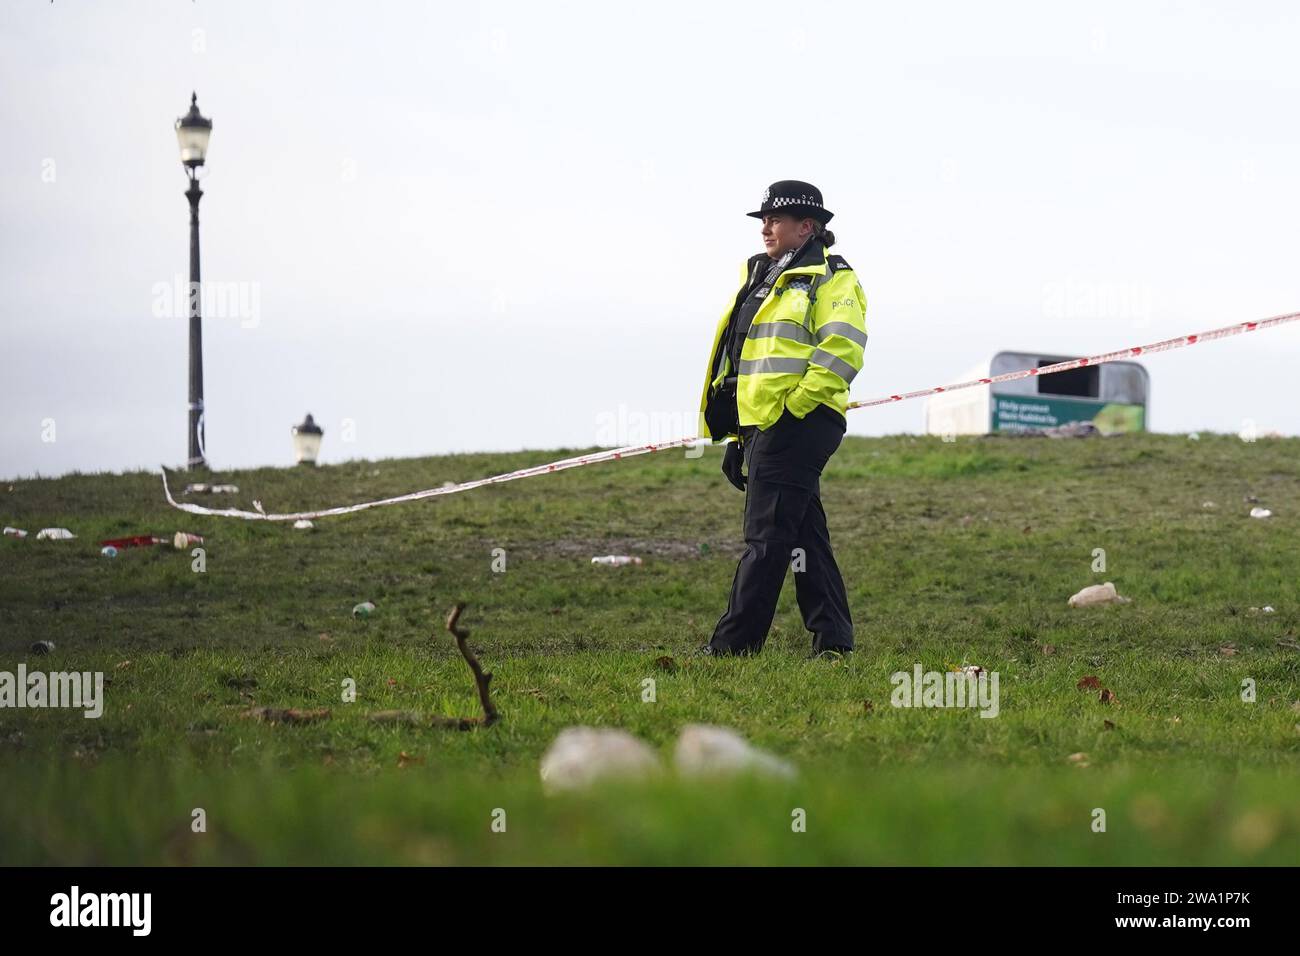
<point>454,227</point>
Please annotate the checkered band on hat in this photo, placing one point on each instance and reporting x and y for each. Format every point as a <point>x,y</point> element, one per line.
<point>795,201</point>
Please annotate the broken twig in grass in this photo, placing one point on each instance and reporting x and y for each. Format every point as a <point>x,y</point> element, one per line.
<point>481,679</point>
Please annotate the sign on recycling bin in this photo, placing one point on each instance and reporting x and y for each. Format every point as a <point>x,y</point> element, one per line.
<point>1114,396</point>
<point>1020,413</point>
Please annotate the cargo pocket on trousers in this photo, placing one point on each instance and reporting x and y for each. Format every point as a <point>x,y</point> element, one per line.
<point>775,513</point>
<point>762,507</point>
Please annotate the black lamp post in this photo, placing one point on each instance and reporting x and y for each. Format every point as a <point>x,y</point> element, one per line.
<point>192,132</point>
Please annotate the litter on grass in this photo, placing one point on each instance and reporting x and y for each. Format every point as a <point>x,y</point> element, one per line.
<point>705,751</point>
<point>1097,594</point>
<point>580,756</point>
<point>205,489</point>
<point>134,541</point>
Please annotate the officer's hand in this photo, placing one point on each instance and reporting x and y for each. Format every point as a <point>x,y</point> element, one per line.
<point>733,459</point>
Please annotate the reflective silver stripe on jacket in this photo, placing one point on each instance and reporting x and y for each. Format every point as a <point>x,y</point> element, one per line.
<point>837,365</point>
<point>845,329</point>
<point>782,330</point>
<point>757,366</point>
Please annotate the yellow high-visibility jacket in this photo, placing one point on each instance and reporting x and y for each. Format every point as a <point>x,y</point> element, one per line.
<point>799,353</point>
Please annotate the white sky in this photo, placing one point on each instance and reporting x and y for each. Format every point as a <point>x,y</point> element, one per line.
<point>493,226</point>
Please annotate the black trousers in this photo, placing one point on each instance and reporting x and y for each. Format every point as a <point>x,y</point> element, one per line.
<point>783,512</point>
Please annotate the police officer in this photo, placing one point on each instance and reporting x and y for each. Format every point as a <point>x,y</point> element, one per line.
<point>776,391</point>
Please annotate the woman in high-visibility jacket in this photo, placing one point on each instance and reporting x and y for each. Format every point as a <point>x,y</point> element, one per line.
<point>777,390</point>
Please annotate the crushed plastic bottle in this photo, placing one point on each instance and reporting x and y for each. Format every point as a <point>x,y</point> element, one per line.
<point>616,560</point>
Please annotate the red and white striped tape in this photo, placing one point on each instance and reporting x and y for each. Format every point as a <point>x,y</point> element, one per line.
<point>1128,353</point>
<point>632,451</point>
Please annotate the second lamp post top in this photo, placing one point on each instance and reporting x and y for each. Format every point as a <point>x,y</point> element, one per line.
<point>192,132</point>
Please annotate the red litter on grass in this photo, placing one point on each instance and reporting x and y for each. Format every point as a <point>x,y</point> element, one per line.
<point>184,540</point>
<point>134,541</point>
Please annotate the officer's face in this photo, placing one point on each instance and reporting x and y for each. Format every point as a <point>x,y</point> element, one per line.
<point>783,231</point>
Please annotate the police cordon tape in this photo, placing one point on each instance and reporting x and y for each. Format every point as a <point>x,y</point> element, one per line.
<point>631,451</point>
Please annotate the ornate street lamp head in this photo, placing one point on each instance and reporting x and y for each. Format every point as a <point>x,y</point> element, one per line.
<point>192,132</point>
<point>306,441</point>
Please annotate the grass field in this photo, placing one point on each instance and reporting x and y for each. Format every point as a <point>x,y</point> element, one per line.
<point>953,553</point>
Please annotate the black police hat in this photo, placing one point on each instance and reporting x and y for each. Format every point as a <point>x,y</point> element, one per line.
<point>793,196</point>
